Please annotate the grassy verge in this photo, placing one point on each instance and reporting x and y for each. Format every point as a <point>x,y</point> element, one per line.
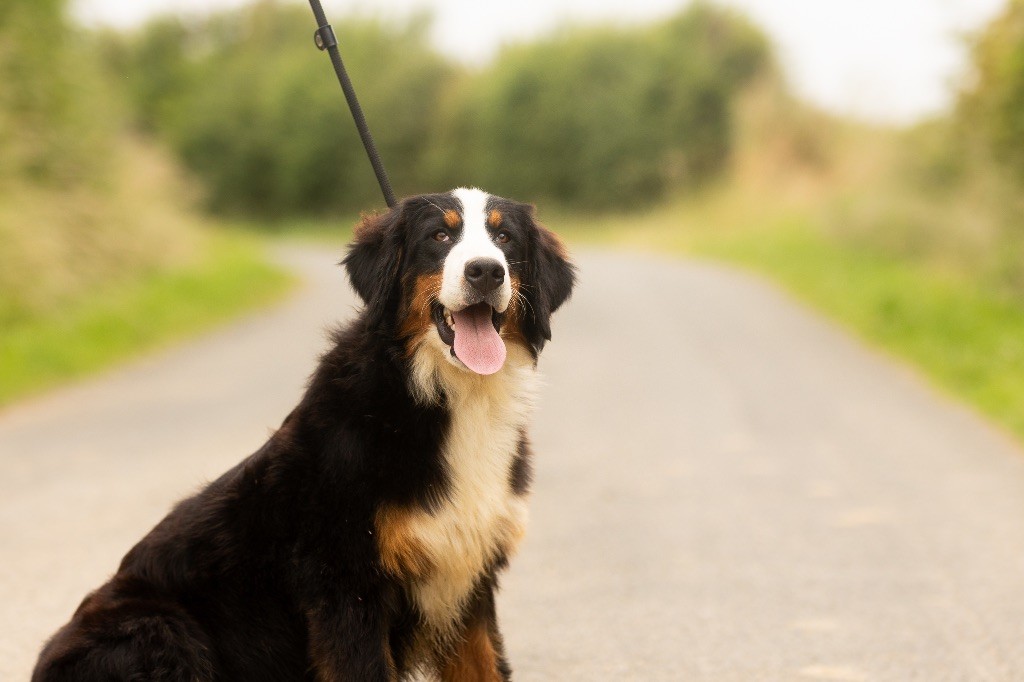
<point>967,338</point>
<point>120,321</point>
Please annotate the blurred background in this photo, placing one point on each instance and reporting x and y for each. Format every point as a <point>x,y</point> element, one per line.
<point>729,486</point>
<point>871,158</point>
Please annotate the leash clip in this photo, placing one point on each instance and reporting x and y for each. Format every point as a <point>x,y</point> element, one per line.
<point>326,40</point>
<point>324,37</point>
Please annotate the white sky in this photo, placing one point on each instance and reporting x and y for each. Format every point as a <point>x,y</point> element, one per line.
<point>887,60</point>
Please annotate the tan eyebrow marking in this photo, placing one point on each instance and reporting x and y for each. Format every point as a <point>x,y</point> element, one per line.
<point>494,217</point>
<point>452,218</point>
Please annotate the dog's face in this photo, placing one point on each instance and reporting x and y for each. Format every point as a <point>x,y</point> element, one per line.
<point>463,272</point>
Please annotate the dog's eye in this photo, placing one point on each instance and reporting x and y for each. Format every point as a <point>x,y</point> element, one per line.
<point>503,238</point>
<point>441,236</point>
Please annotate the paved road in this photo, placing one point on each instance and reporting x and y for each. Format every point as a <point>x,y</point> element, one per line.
<point>727,489</point>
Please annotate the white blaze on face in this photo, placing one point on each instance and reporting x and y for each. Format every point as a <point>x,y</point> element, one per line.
<point>474,242</point>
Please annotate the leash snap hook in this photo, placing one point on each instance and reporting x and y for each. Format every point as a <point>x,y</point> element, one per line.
<point>324,38</point>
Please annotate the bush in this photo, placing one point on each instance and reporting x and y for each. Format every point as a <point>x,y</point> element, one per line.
<point>80,206</point>
<point>255,111</point>
<point>55,114</point>
<point>592,116</point>
<point>604,117</point>
<point>994,104</point>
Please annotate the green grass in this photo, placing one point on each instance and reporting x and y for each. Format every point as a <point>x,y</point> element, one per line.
<point>966,337</point>
<point>231,277</point>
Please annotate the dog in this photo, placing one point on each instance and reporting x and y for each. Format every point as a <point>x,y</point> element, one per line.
<point>364,540</point>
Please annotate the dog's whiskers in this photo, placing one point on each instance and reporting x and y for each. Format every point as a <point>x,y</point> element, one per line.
<point>431,296</point>
<point>526,303</point>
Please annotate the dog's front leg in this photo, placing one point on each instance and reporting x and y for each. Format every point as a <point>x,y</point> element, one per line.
<point>479,653</point>
<point>348,641</point>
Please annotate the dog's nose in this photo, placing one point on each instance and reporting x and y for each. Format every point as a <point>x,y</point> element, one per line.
<point>484,274</point>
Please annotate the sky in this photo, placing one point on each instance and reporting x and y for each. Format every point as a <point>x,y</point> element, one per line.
<point>893,61</point>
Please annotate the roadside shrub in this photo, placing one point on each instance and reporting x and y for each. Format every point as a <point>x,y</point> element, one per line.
<point>994,103</point>
<point>254,110</point>
<point>590,116</point>
<point>604,117</point>
<point>80,205</point>
<point>56,117</point>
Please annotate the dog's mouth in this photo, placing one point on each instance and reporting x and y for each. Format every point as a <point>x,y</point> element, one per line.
<point>472,334</point>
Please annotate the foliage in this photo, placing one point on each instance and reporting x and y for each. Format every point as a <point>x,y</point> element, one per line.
<point>947,192</point>
<point>604,117</point>
<point>151,68</point>
<point>98,258</point>
<point>81,205</point>
<point>125,318</point>
<point>596,116</point>
<point>255,111</point>
<point>60,243</point>
<point>55,113</point>
<point>994,105</point>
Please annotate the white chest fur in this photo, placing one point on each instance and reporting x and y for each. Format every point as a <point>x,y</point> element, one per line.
<point>481,515</point>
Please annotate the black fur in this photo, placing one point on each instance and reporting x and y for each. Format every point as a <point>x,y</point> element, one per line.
<point>273,571</point>
<point>521,473</point>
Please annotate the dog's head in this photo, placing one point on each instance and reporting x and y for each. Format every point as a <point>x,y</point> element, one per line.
<point>463,272</point>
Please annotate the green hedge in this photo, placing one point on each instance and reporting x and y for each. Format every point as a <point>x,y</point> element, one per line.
<point>593,116</point>
<point>604,117</point>
<point>994,105</point>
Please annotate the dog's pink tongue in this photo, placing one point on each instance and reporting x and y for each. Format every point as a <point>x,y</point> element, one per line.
<point>477,343</point>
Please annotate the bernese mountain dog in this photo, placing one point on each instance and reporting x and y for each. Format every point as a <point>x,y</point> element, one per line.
<point>363,541</point>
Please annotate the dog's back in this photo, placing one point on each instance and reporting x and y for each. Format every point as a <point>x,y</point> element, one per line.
<point>203,596</point>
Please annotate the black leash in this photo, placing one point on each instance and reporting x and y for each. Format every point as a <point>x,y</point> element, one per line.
<point>326,40</point>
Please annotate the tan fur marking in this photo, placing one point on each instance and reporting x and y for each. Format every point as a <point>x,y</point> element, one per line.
<point>511,535</point>
<point>473,659</point>
<point>401,553</point>
<point>452,218</point>
<point>418,321</point>
<point>494,218</point>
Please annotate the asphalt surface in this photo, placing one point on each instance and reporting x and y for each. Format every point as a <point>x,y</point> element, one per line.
<point>727,487</point>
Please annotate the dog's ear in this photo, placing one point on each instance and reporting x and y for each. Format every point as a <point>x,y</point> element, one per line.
<point>374,258</point>
<point>550,282</point>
